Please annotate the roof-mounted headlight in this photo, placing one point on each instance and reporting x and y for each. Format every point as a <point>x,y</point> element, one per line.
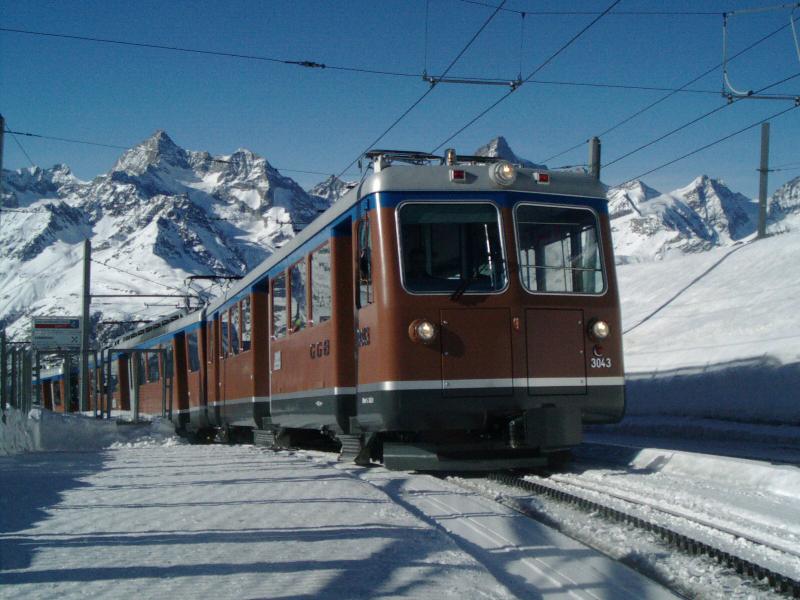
<point>503,173</point>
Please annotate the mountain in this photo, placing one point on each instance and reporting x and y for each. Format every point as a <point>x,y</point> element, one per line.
<point>703,215</point>
<point>332,189</point>
<point>626,198</point>
<point>499,148</point>
<point>783,208</point>
<point>159,215</point>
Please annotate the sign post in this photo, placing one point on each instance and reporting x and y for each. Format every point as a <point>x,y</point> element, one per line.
<point>56,334</point>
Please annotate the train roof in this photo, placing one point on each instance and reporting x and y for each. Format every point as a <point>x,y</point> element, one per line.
<point>393,171</point>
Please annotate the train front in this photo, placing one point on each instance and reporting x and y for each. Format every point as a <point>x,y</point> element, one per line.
<point>490,332</point>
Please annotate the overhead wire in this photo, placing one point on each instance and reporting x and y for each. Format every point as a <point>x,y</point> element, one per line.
<point>594,12</point>
<point>105,264</point>
<point>668,95</point>
<point>531,75</point>
<point>298,63</point>
<point>429,90</point>
<point>709,145</point>
<point>694,121</point>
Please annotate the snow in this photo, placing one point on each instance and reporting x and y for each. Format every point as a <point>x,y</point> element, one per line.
<point>157,518</point>
<point>715,334</point>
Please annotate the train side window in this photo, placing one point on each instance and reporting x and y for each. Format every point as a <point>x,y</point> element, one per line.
<point>223,332</point>
<point>167,360</point>
<point>365,295</point>
<point>235,320</point>
<point>279,306</point>
<point>299,307</point>
<point>247,326</point>
<point>152,367</point>
<point>140,366</point>
<point>193,351</point>
<point>211,350</point>
<point>321,284</point>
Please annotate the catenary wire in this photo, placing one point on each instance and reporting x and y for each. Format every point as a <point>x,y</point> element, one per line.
<point>709,145</point>
<point>531,75</point>
<point>91,143</point>
<point>429,90</point>
<point>694,121</point>
<point>105,264</point>
<point>298,63</point>
<point>590,12</point>
<point>22,148</point>
<point>668,95</point>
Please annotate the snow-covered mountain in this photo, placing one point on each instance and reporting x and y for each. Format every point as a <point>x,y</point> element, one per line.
<point>703,215</point>
<point>499,148</point>
<point>161,214</point>
<point>626,198</point>
<point>783,210</point>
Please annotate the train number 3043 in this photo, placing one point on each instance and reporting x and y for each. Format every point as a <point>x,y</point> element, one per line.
<point>601,363</point>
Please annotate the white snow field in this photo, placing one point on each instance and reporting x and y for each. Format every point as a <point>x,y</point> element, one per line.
<point>160,519</point>
<point>715,334</point>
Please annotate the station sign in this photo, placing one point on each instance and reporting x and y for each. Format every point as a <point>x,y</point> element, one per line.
<point>56,334</point>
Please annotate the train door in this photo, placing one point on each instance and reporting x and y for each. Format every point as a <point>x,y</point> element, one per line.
<point>365,313</point>
<point>555,368</point>
<point>212,371</point>
<point>476,352</point>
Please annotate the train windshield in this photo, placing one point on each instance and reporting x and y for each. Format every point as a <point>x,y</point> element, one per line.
<point>451,248</point>
<point>559,249</point>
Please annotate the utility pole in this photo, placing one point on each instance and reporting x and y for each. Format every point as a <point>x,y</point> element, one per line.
<point>762,182</point>
<point>594,158</point>
<point>86,325</point>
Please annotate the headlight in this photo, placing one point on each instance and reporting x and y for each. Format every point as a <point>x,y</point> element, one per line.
<point>422,330</point>
<point>599,330</point>
<point>503,173</point>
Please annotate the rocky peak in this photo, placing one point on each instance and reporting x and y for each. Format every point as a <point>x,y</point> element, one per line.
<point>627,198</point>
<point>157,150</point>
<point>499,148</point>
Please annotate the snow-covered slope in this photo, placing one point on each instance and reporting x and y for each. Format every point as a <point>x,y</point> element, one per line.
<point>161,214</point>
<point>715,334</point>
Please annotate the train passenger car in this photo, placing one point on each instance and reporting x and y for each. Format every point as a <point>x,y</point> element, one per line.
<point>456,312</point>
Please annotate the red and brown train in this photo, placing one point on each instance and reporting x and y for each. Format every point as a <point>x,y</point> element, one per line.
<point>456,312</point>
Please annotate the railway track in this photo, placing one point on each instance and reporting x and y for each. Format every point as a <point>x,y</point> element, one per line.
<point>749,555</point>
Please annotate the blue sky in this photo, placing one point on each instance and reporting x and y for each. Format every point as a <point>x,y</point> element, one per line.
<point>321,119</point>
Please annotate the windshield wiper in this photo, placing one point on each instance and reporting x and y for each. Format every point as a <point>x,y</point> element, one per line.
<point>496,261</point>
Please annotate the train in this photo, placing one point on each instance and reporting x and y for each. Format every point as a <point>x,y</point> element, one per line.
<point>447,313</point>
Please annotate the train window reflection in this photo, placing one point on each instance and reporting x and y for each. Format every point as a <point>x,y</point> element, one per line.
<point>235,329</point>
<point>279,306</point>
<point>559,249</point>
<point>451,248</point>
<point>193,351</point>
<point>246,324</point>
<point>321,284</point>
<point>299,306</point>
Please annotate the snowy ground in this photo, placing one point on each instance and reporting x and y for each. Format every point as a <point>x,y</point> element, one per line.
<point>161,519</point>
<point>715,334</point>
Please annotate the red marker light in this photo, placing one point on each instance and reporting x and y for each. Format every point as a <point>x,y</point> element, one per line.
<point>458,175</point>
<point>541,177</point>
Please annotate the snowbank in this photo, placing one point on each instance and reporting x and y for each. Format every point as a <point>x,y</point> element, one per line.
<point>46,430</point>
